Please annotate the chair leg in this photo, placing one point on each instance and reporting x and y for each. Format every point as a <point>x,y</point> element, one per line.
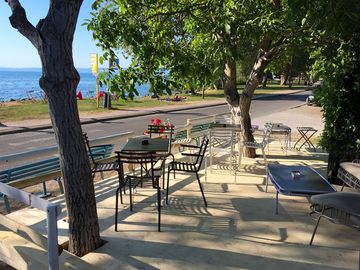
<point>265,161</point>
<point>173,157</point>
<point>159,204</point>
<point>267,182</point>
<point>130,194</point>
<point>163,169</point>
<point>117,206</point>
<point>6,204</point>
<point>264,156</point>
<point>61,187</point>
<point>205,157</point>
<point>45,193</point>
<point>167,186</point>
<point>201,189</point>
<point>316,226</point>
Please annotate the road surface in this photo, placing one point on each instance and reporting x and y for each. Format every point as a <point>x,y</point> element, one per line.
<point>21,142</point>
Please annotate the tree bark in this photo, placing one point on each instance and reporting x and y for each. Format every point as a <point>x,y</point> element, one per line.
<point>265,79</point>
<point>266,54</point>
<point>283,79</point>
<point>53,38</point>
<point>230,91</point>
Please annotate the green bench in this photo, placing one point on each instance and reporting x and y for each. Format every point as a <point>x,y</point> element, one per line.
<point>196,133</point>
<point>42,171</point>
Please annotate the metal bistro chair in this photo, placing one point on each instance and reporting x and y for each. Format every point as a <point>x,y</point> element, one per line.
<point>192,167</point>
<point>338,207</point>
<point>349,173</point>
<point>95,156</point>
<point>223,140</point>
<point>167,131</point>
<point>141,170</point>
<point>264,141</point>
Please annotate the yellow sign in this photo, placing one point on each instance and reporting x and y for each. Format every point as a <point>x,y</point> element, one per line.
<point>94,63</point>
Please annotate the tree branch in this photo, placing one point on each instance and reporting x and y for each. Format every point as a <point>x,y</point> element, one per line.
<point>19,21</point>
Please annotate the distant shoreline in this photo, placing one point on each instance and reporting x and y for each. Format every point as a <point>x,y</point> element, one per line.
<point>23,84</point>
<point>38,69</point>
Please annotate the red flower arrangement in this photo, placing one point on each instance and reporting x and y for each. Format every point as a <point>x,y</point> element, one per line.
<point>160,124</point>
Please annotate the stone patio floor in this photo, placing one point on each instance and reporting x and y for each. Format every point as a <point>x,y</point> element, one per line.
<point>238,230</point>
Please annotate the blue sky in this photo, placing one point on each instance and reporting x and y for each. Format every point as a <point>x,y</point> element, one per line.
<point>17,51</point>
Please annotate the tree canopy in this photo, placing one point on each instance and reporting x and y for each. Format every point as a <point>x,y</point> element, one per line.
<point>181,42</point>
<point>335,38</point>
<point>188,43</point>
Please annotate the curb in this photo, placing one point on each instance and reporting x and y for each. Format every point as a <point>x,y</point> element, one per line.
<point>138,113</point>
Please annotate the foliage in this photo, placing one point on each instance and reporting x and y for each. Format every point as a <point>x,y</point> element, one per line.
<point>181,44</point>
<point>335,28</point>
<point>293,61</point>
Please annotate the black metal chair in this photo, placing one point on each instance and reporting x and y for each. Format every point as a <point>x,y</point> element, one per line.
<point>338,207</point>
<point>140,170</point>
<point>95,157</point>
<point>167,131</point>
<point>192,167</point>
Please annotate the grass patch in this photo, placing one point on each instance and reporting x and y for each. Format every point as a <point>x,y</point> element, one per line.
<point>26,110</point>
<point>23,110</point>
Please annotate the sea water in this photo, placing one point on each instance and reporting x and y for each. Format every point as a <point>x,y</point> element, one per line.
<point>19,84</point>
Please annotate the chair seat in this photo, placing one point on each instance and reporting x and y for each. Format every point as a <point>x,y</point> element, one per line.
<point>254,144</point>
<point>344,201</point>
<point>106,166</point>
<point>338,207</point>
<point>349,173</point>
<point>183,166</point>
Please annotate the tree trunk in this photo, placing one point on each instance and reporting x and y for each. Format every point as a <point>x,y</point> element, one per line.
<point>285,76</point>
<point>79,188</point>
<point>265,55</point>
<point>230,91</point>
<point>53,38</point>
<point>283,79</point>
<point>264,79</point>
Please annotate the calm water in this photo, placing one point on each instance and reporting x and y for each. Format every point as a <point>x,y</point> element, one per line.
<point>17,85</point>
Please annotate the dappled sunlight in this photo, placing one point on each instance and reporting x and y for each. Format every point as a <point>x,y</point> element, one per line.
<point>239,228</point>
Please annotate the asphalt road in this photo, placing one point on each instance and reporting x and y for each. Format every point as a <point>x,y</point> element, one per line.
<point>20,142</point>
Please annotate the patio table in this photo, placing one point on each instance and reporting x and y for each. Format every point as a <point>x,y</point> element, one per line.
<point>296,181</point>
<point>147,145</point>
<point>305,134</point>
<point>138,144</point>
<point>281,129</point>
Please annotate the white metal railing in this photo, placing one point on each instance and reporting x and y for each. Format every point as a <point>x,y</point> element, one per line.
<point>53,150</point>
<point>52,210</point>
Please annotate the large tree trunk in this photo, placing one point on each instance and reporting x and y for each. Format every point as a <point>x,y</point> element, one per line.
<point>286,75</point>
<point>230,91</point>
<point>53,38</point>
<point>265,79</point>
<point>265,55</point>
<point>240,105</point>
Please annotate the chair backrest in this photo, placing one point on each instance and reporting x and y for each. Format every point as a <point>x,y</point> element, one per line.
<point>202,151</point>
<point>139,164</point>
<point>88,148</point>
<point>97,152</point>
<point>167,130</point>
<point>267,131</point>
<point>223,138</point>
